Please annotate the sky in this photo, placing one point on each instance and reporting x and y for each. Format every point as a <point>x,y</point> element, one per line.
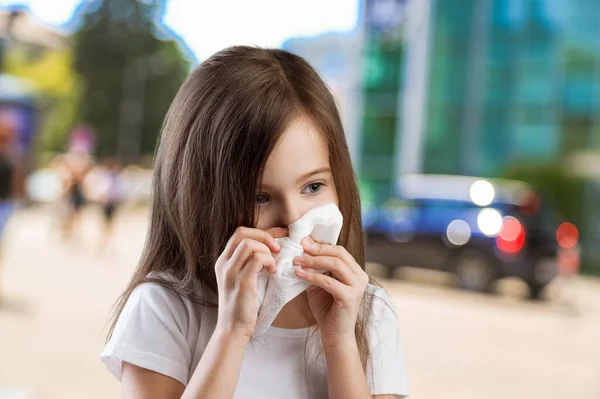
<point>207,26</point>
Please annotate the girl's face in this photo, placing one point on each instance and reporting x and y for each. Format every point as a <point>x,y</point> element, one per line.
<point>297,177</point>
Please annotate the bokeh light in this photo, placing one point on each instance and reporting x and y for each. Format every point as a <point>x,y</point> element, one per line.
<point>567,235</point>
<point>489,221</point>
<point>458,232</point>
<point>482,193</point>
<point>511,238</point>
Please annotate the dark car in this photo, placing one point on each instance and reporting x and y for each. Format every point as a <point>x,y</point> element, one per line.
<point>480,230</point>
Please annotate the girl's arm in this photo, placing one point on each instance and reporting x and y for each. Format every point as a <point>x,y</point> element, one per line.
<point>334,301</point>
<point>345,376</point>
<point>215,377</point>
<point>219,369</point>
<point>138,382</point>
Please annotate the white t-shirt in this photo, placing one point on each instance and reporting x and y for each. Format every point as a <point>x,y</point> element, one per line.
<point>161,331</point>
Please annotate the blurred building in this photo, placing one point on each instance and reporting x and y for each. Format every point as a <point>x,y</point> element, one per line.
<point>504,80</point>
<point>23,34</point>
<point>580,95</point>
<point>18,29</point>
<point>510,80</point>
<point>337,59</point>
<point>494,86</point>
<point>383,68</point>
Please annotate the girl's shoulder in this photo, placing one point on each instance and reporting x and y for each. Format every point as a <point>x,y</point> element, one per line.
<point>157,329</point>
<point>378,291</point>
<point>381,306</point>
<point>156,299</point>
<point>159,297</point>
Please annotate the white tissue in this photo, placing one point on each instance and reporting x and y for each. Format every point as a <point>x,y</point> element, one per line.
<point>323,224</point>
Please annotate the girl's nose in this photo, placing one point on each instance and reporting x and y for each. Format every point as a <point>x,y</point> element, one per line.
<point>291,211</point>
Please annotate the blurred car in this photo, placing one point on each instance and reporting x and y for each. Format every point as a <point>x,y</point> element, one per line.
<point>480,230</point>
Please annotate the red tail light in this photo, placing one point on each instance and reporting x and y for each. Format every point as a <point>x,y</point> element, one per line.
<point>512,235</point>
<point>567,235</point>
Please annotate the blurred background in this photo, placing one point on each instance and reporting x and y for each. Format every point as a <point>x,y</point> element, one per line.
<point>474,127</point>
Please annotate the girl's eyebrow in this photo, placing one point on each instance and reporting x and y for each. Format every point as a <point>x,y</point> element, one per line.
<point>314,172</point>
<point>324,169</point>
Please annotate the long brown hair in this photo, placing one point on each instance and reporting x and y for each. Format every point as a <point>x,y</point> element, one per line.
<point>221,127</point>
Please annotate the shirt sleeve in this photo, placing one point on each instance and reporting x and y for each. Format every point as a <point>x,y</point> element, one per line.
<point>151,333</point>
<point>387,371</point>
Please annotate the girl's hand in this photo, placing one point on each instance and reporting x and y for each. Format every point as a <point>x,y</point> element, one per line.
<point>334,300</point>
<point>248,251</point>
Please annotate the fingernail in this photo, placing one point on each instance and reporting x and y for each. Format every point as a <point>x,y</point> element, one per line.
<point>301,271</point>
<point>306,242</point>
<point>277,246</point>
<point>298,259</point>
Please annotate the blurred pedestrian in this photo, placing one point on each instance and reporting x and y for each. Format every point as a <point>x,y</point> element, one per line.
<point>76,165</point>
<point>60,204</point>
<point>111,199</point>
<point>7,179</point>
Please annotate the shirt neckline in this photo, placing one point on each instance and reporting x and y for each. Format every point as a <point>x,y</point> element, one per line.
<point>288,332</point>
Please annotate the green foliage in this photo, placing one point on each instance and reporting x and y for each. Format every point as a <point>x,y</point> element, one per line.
<point>562,190</point>
<point>130,75</point>
<point>579,59</point>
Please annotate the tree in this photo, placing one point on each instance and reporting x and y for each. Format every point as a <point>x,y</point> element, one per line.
<point>129,75</point>
<point>562,190</point>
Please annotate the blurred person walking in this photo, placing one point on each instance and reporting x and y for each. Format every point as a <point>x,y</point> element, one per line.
<point>60,205</point>
<point>111,199</point>
<point>7,179</point>
<point>76,164</point>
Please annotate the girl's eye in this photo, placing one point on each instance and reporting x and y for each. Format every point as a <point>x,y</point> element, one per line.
<point>313,188</point>
<point>262,199</point>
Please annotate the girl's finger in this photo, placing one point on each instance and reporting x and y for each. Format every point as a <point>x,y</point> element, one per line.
<point>246,248</point>
<point>314,248</point>
<point>336,266</point>
<point>329,284</point>
<point>265,237</point>
<point>249,272</point>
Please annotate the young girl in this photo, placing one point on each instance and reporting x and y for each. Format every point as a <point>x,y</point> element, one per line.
<point>252,141</point>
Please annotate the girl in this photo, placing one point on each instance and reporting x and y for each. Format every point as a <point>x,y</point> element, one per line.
<point>252,141</point>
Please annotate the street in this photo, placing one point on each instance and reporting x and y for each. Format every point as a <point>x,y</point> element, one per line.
<point>58,297</point>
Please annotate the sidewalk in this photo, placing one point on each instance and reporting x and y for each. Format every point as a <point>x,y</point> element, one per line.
<point>15,393</point>
<point>58,300</point>
<point>458,345</point>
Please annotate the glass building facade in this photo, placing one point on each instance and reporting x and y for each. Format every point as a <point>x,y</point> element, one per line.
<point>495,86</point>
<point>381,86</point>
